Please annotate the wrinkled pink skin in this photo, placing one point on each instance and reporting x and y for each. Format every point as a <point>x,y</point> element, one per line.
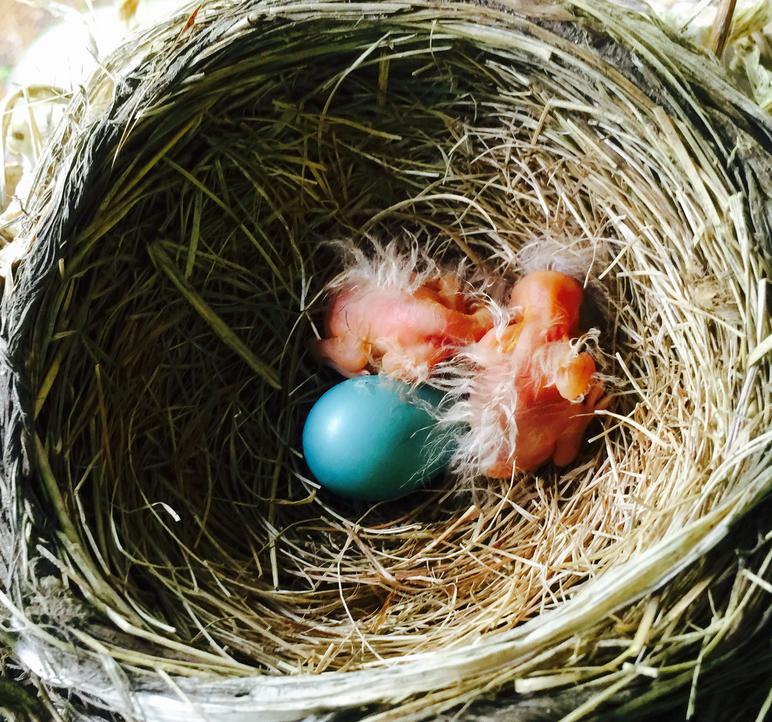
<point>372,328</point>
<point>553,392</point>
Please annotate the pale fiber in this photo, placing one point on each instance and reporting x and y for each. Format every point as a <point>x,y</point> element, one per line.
<point>163,551</point>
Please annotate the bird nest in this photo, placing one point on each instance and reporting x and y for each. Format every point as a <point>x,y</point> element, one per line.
<point>165,553</point>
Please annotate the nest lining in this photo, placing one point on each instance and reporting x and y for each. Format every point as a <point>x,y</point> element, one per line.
<point>169,371</point>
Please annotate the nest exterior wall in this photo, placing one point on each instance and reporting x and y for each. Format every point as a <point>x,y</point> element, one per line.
<point>696,161</point>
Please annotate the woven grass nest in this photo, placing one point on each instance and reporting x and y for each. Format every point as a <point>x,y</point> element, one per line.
<point>165,555</point>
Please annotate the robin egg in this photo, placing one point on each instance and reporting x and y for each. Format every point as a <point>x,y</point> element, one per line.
<point>375,439</point>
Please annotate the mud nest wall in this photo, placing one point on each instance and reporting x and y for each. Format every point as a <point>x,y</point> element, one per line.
<point>165,552</point>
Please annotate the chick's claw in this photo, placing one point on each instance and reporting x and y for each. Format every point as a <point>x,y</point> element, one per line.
<point>347,355</point>
<point>569,442</point>
<point>573,378</point>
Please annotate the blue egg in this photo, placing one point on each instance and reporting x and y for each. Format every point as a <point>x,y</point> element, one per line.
<point>375,439</point>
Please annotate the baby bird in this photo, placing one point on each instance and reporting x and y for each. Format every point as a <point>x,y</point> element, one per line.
<point>398,323</point>
<point>531,394</point>
<point>522,392</point>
